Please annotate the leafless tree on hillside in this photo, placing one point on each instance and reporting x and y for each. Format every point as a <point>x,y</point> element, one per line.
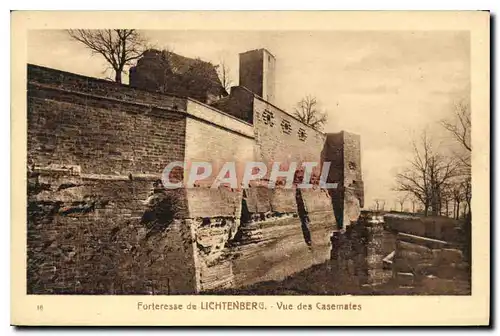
<point>414,201</point>
<point>308,111</point>
<point>120,47</point>
<point>401,201</point>
<point>458,198</point>
<point>379,204</point>
<point>427,175</point>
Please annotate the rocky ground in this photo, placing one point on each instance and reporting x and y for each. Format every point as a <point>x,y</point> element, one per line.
<point>325,280</point>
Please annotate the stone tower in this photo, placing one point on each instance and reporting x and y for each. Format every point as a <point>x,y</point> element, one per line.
<point>257,73</point>
<point>343,150</point>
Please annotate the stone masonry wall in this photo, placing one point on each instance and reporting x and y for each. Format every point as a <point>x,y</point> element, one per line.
<point>278,142</point>
<point>94,150</point>
<point>90,235</point>
<point>102,88</point>
<point>214,214</point>
<point>343,151</point>
<point>207,143</point>
<point>96,224</point>
<point>100,133</point>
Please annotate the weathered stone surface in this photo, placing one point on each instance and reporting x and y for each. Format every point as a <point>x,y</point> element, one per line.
<point>424,241</point>
<point>405,279</point>
<point>97,224</point>
<point>279,249</point>
<point>448,256</point>
<point>117,248</point>
<point>440,228</point>
<point>283,200</point>
<point>408,246</point>
<point>429,259</point>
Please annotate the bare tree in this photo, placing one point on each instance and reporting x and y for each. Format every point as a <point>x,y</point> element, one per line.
<point>458,198</point>
<point>224,73</point>
<point>463,192</point>
<point>414,201</point>
<point>401,201</point>
<point>427,175</point>
<point>446,197</point>
<point>308,111</point>
<point>379,204</point>
<point>118,46</point>
<point>468,194</point>
<point>460,127</point>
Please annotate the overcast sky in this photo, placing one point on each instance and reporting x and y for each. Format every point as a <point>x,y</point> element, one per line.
<point>385,86</point>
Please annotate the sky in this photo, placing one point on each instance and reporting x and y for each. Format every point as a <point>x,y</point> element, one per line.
<point>387,86</point>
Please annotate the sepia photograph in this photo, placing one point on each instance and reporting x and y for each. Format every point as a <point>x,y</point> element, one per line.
<point>230,163</point>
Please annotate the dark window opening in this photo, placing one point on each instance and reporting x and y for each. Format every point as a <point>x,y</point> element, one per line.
<point>286,126</point>
<point>268,118</point>
<point>302,134</point>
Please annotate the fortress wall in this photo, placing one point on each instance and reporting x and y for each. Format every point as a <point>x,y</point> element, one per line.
<point>258,199</point>
<point>274,248</point>
<point>317,200</point>
<point>214,219</point>
<point>221,120</point>
<point>214,214</point>
<point>272,245</point>
<point>283,200</point>
<point>102,134</point>
<point>98,155</point>
<point>95,148</point>
<point>102,88</point>
<point>90,235</point>
<point>274,144</point>
<point>218,140</point>
<point>208,202</point>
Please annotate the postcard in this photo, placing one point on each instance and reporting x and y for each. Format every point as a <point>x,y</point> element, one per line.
<point>258,168</point>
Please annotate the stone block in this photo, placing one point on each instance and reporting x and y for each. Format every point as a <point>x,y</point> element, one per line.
<point>412,247</point>
<point>448,256</point>
<point>424,241</point>
<point>405,279</point>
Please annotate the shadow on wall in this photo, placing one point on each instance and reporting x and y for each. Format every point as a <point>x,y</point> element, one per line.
<point>304,218</point>
<point>161,209</point>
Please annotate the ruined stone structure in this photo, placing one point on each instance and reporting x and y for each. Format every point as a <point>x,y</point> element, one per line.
<point>99,223</point>
<point>168,72</point>
<point>429,252</point>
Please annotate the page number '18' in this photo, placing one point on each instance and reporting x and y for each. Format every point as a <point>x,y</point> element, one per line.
<point>39,307</point>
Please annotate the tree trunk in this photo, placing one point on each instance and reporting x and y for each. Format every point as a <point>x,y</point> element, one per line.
<point>118,76</point>
<point>434,205</point>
